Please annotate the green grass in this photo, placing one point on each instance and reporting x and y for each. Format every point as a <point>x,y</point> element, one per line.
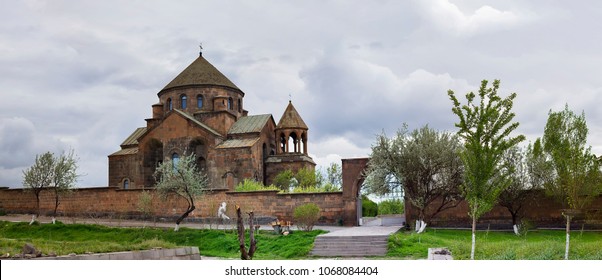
<point>63,239</point>
<point>536,245</point>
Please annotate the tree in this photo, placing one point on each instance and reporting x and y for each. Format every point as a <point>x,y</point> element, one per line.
<point>183,179</point>
<point>308,178</point>
<point>334,175</point>
<point>485,128</point>
<point>39,176</point>
<point>305,180</point>
<point>517,166</point>
<point>283,180</point>
<point>426,163</point>
<point>575,178</point>
<point>64,177</point>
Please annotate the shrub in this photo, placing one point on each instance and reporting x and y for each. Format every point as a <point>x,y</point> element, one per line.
<point>283,180</point>
<point>145,204</point>
<point>369,207</point>
<point>306,216</point>
<point>525,227</point>
<point>393,206</point>
<point>249,185</point>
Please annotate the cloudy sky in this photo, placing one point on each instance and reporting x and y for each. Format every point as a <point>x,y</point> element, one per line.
<point>83,75</point>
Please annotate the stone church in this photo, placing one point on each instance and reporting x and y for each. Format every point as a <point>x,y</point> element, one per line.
<point>201,111</point>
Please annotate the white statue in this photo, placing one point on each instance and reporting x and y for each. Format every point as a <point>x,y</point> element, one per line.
<point>221,212</point>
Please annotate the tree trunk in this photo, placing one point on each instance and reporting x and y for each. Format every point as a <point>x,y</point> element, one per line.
<point>474,230</point>
<point>252,241</point>
<point>515,225</point>
<point>568,236</point>
<point>56,206</point>
<point>37,204</point>
<point>241,235</point>
<point>181,218</point>
<point>421,225</point>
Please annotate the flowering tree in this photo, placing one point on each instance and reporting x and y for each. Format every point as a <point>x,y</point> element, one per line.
<point>425,162</point>
<point>183,179</point>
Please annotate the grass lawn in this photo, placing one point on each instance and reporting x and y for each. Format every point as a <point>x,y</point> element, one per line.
<point>63,239</point>
<point>493,245</point>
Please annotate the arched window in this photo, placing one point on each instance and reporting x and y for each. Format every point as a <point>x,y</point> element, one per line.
<point>183,101</point>
<point>239,106</point>
<point>169,105</point>
<point>199,101</point>
<point>230,103</point>
<point>175,158</point>
<point>126,184</point>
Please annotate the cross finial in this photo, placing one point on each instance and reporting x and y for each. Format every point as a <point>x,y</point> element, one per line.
<point>201,47</point>
<point>290,98</point>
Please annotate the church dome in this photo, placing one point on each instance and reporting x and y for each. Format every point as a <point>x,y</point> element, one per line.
<point>200,73</point>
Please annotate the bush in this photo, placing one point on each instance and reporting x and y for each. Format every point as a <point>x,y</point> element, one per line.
<point>525,227</point>
<point>306,216</point>
<point>369,207</point>
<point>249,185</point>
<point>393,206</point>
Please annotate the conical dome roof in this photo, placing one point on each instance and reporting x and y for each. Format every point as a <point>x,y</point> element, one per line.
<point>200,72</point>
<point>291,118</point>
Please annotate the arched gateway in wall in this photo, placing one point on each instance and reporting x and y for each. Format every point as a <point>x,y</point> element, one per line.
<point>353,178</point>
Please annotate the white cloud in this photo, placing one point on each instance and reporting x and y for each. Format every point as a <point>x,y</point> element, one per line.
<point>448,16</point>
<point>332,150</point>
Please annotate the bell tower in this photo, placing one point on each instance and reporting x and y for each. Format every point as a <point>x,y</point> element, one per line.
<point>291,145</point>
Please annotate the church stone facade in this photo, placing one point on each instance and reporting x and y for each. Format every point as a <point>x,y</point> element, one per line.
<point>201,111</point>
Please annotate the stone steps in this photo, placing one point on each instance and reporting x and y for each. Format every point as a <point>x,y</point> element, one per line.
<point>350,246</point>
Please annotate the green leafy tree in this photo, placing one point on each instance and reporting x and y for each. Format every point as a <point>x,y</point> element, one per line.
<point>284,180</point>
<point>391,206</point>
<point>485,126</point>
<point>250,185</point>
<point>334,175</point>
<point>64,177</point>
<point>308,178</point>
<point>183,179</point>
<point>575,178</point>
<point>428,165</point>
<point>39,176</point>
<point>369,207</point>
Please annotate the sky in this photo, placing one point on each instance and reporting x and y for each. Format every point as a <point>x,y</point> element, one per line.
<point>82,75</point>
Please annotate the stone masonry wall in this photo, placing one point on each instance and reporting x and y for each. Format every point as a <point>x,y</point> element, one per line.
<point>542,211</point>
<point>116,202</point>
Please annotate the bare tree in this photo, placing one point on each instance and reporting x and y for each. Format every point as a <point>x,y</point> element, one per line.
<point>427,165</point>
<point>183,179</point>
<point>37,177</point>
